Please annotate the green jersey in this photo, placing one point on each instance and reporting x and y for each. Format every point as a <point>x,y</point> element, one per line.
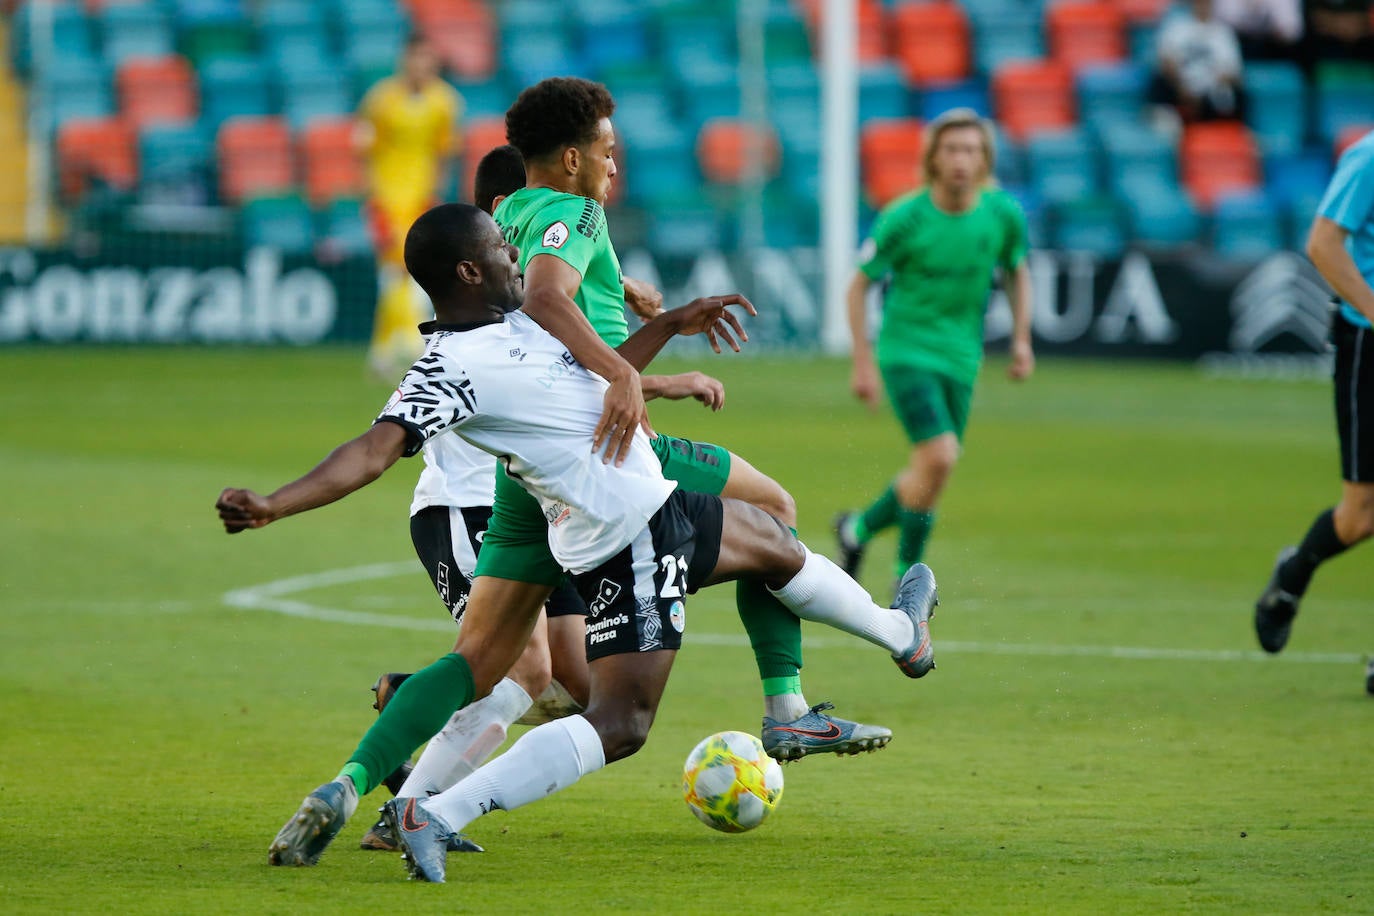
<point>940,267</point>
<point>572,229</point>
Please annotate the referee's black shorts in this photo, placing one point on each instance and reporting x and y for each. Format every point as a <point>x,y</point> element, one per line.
<point>1353,379</point>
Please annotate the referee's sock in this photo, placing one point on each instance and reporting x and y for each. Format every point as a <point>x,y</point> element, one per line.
<point>1321,544</point>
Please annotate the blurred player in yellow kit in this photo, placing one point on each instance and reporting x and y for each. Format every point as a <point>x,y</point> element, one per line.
<point>407,131</point>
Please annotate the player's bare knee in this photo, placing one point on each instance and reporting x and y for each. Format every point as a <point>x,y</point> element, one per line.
<point>623,729</point>
<point>534,670</point>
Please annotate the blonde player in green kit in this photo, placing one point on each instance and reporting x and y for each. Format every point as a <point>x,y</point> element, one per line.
<point>939,249</point>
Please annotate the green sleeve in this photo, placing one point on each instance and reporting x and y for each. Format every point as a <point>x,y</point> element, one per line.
<point>572,229</point>
<point>1017,237</point>
<point>876,256</point>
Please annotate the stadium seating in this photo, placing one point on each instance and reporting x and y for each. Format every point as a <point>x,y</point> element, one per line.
<point>95,152</point>
<point>155,89</point>
<point>728,148</point>
<point>931,42</point>
<point>1033,96</point>
<point>234,87</point>
<point>176,164</point>
<point>480,136</point>
<point>330,167</point>
<point>1110,92</point>
<point>255,158</point>
<point>1247,227</point>
<point>342,229</point>
<point>1091,224</point>
<point>1218,158</point>
<point>1160,215</point>
<point>130,30</point>
<point>1277,100</point>
<point>1085,33</point>
<point>1062,165</point>
<point>79,90</point>
<point>890,158</point>
<point>284,223</point>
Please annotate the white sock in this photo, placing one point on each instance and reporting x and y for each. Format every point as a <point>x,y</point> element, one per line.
<point>547,759</point>
<point>823,593</point>
<point>350,796</point>
<point>470,737</point>
<point>554,703</point>
<point>785,707</point>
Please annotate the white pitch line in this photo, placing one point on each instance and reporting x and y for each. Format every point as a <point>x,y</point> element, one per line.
<point>271,597</point>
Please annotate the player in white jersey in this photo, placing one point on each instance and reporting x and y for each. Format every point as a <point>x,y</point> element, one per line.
<point>637,546</point>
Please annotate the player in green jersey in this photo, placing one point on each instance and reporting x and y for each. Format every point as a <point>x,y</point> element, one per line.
<point>573,160</point>
<point>938,249</point>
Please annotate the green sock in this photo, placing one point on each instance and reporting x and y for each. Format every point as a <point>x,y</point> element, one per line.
<point>774,631</point>
<point>778,686</point>
<point>915,532</point>
<point>882,514</point>
<point>415,714</point>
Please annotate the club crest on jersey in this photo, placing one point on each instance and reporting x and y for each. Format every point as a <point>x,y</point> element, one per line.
<point>556,235</point>
<point>677,616</point>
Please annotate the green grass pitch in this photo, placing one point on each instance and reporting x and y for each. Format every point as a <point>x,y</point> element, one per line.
<point>1102,734</point>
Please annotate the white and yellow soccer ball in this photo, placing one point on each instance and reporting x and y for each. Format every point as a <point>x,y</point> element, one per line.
<point>730,782</point>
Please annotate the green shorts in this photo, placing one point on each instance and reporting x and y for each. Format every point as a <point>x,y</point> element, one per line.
<point>516,545</point>
<point>927,403</point>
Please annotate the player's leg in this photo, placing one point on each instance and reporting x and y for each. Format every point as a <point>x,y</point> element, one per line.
<point>774,631</point>
<point>629,658</point>
<point>1351,520</point>
<point>569,689</point>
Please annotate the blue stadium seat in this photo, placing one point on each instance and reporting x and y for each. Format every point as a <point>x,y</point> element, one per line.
<point>799,133</point>
<point>492,97</point>
<point>615,35</point>
<point>284,223</point>
<point>130,30</point>
<point>1115,92</point>
<point>1277,102</point>
<point>1159,213</point>
<point>941,98</point>
<point>1298,217</point>
<point>175,164</point>
<point>71,31</point>
<point>1339,107</point>
<point>1062,165</point>
<point>1247,227</point>
<point>882,92</point>
<point>708,90</point>
<point>658,159</point>
<point>1134,152</point>
<point>1091,224</point>
<point>785,39</point>
<point>343,229</point>
<point>370,16</point>
<point>1011,166</point>
<point>372,52</point>
<point>1014,35</point>
<point>531,57</point>
<point>310,96</point>
<point>231,87</point>
<point>1037,217</point>
<point>684,226</point>
<point>521,15</point>
<point>1140,42</point>
<point>796,85</point>
<point>77,91</point>
<point>1288,178</point>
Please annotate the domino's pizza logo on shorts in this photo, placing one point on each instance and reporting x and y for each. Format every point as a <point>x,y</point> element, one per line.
<point>606,593</point>
<point>556,235</point>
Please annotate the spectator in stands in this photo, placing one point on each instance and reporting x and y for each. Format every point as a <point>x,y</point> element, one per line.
<point>1266,29</point>
<point>1339,30</point>
<point>1199,66</point>
<point>407,131</point>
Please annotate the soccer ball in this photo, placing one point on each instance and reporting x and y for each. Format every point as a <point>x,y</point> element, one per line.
<point>730,782</point>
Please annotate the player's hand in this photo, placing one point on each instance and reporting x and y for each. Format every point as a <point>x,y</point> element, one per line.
<point>705,389</point>
<point>710,316</point>
<point>1022,361</point>
<point>642,299</point>
<point>622,413</point>
<point>242,509</point>
<point>863,381</point>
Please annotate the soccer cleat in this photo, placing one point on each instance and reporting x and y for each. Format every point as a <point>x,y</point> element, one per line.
<point>1275,609</point>
<point>818,733</point>
<point>385,688</point>
<point>917,598</point>
<point>310,830</point>
<point>381,839</point>
<point>851,551</point>
<point>422,836</point>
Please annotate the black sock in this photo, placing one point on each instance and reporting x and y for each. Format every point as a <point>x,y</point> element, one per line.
<point>1321,544</point>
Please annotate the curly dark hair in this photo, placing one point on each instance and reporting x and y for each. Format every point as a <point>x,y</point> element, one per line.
<point>556,113</point>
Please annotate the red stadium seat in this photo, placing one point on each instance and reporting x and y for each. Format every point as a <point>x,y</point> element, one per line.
<point>1349,136</point>
<point>1031,96</point>
<point>890,157</point>
<point>1142,11</point>
<point>872,25</point>
<point>480,136</point>
<point>463,33</point>
<point>254,158</point>
<point>931,42</point>
<point>1218,158</point>
<point>723,150</point>
<point>100,148</point>
<point>157,89</point>
<point>330,165</point>
<point>1086,32</point>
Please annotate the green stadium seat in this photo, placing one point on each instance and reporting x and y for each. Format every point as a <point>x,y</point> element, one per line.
<point>1062,165</point>
<point>1247,227</point>
<point>1090,224</point>
<point>130,30</point>
<point>234,87</point>
<point>1277,105</point>
<point>283,223</point>
<point>343,231</point>
<point>176,164</point>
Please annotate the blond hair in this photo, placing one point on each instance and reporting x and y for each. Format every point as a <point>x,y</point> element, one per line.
<point>954,119</point>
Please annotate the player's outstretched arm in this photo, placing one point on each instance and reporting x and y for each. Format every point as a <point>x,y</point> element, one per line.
<point>351,466</point>
<point>709,315</point>
<point>705,389</point>
<point>642,299</point>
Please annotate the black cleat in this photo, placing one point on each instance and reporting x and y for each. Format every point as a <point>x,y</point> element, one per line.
<point>1275,609</point>
<point>851,553</point>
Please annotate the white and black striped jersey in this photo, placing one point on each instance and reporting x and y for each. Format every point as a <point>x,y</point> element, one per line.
<point>456,474</point>
<point>514,391</point>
